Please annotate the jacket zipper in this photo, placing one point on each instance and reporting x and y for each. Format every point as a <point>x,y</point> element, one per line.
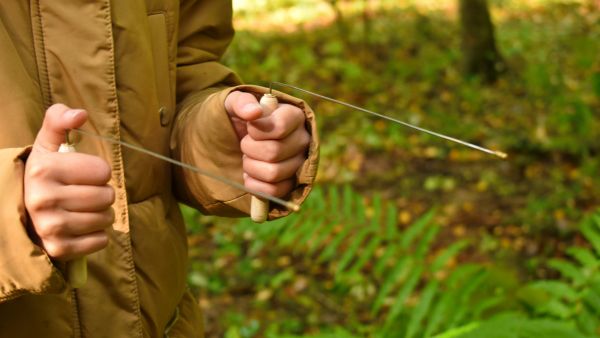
<point>76,317</point>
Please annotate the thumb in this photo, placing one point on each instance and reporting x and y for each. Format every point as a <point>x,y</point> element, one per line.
<point>58,120</point>
<point>243,105</point>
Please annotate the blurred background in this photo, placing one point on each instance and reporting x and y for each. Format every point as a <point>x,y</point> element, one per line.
<point>407,235</point>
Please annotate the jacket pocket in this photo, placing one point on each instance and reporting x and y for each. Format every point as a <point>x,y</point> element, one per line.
<point>160,53</point>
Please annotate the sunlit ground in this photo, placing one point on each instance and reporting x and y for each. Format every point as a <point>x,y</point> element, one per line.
<point>291,15</point>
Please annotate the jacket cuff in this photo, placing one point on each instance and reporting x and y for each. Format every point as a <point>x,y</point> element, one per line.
<point>207,139</point>
<point>24,267</point>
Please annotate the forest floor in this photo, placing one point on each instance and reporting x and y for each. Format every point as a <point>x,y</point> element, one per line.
<point>405,62</point>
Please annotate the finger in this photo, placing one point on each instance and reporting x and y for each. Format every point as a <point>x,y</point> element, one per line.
<point>71,248</point>
<point>58,120</point>
<point>85,223</point>
<point>276,150</point>
<point>71,168</point>
<point>77,198</point>
<point>278,189</point>
<point>278,125</point>
<point>273,172</point>
<point>243,105</point>
<point>65,224</point>
<point>85,198</point>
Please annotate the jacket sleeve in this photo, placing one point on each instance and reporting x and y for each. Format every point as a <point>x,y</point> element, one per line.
<point>203,134</point>
<point>24,266</point>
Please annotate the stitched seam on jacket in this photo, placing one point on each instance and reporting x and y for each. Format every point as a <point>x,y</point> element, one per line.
<point>118,166</point>
<point>74,313</point>
<point>46,88</point>
<point>41,59</point>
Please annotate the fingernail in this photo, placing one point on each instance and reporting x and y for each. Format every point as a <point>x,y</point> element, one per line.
<point>73,113</point>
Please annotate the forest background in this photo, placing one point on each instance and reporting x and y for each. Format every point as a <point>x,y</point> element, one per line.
<point>408,235</point>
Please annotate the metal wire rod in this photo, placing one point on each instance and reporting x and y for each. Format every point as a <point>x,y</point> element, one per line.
<point>287,204</point>
<point>406,124</point>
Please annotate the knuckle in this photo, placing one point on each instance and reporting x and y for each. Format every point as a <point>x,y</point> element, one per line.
<point>38,169</point>
<point>304,138</point>
<point>54,112</point>
<point>49,227</point>
<point>281,129</point>
<point>296,111</point>
<point>245,144</point>
<point>56,109</point>
<point>40,199</point>
<point>271,173</point>
<point>300,115</point>
<point>56,249</point>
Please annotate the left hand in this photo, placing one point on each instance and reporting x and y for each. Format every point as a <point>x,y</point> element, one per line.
<point>274,146</point>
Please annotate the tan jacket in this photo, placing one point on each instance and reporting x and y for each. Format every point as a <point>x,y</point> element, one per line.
<point>147,72</point>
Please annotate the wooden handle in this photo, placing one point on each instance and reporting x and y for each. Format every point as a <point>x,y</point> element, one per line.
<point>77,268</point>
<point>259,208</point>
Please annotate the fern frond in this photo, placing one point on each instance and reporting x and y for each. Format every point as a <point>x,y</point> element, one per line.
<point>415,229</point>
<point>556,289</point>
<point>463,307</point>
<point>366,255</point>
<point>424,245</point>
<point>405,291</point>
<point>332,248</point>
<point>391,250</point>
<point>397,274</point>
<point>449,253</point>
<point>591,230</point>
<point>351,251</point>
<point>584,257</point>
<point>568,270</point>
<point>422,309</point>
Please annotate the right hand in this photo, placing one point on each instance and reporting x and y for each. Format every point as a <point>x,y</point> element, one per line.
<point>67,195</point>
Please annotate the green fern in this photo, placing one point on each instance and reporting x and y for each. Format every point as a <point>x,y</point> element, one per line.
<point>514,325</point>
<point>576,297</point>
<point>361,243</point>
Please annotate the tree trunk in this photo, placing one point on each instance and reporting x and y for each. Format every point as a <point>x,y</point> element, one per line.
<point>480,55</point>
<point>339,19</point>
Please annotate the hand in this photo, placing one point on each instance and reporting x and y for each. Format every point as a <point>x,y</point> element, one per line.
<point>66,194</point>
<point>274,146</point>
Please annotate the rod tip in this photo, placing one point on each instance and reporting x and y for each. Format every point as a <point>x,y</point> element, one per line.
<point>501,154</point>
<point>292,206</point>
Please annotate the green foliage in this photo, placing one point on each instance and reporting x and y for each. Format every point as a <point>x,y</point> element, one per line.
<point>404,61</point>
<point>514,326</point>
<point>399,281</point>
<point>576,297</point>
<point>407,268</point>
<point>410,291</point>
<point>568,307</point>
<point>357,268</point>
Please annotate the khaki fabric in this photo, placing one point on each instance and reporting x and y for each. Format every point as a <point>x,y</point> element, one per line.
<point>148,72</point>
